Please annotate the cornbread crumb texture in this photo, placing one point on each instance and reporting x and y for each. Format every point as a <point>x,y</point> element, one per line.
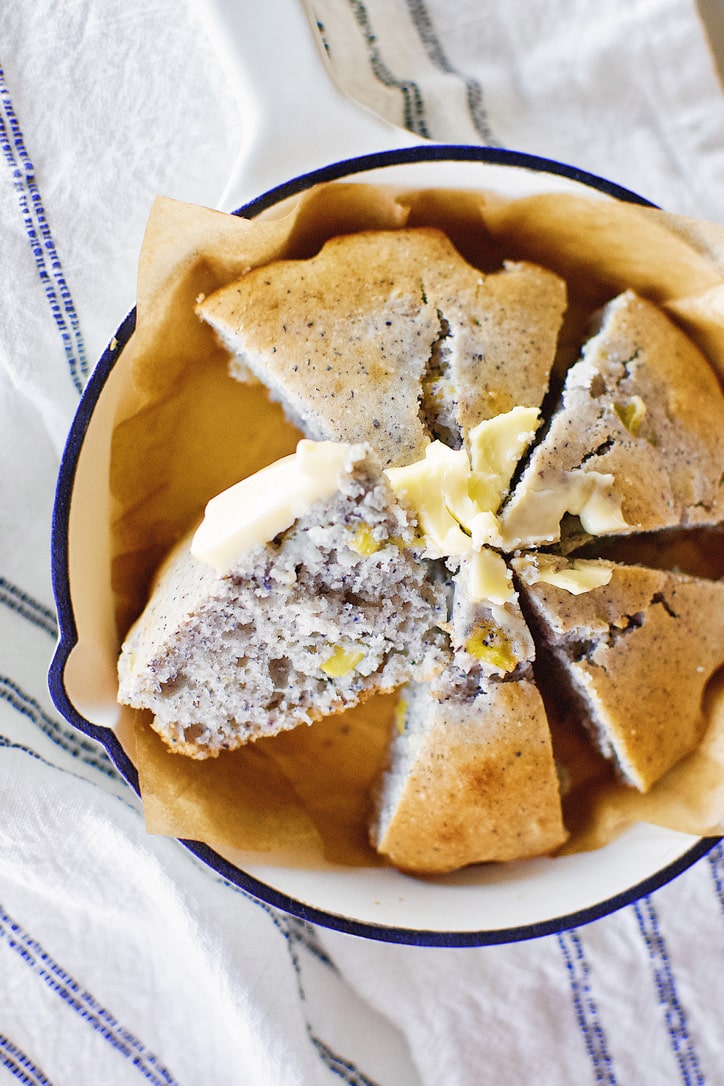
<point>639,653</point>
<point>489,641</point>
<point>469,780</point>
<point>301,627</point>
<point>390,337</point>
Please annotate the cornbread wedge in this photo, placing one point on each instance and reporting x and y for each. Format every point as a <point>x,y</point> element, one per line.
<point>470,776</point>
<point>391,337</point>
<point>642,408</point>
<point>334,608</point>
<point>469,780</point>
<point>639,652</point>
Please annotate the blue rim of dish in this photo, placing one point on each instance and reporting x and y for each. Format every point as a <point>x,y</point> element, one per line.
<point>68,635</point>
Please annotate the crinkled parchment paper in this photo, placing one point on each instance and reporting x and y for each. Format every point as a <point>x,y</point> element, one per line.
<point>185,430</point>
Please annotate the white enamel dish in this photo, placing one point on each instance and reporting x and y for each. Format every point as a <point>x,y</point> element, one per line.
<point>485,904</point>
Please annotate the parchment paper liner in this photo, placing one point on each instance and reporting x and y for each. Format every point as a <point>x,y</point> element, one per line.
<point>186,430</point>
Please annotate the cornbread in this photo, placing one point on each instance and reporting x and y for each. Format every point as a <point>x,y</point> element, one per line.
<point>332,609</point>
<point>469,779</point>
<point>470,774</point>
<point>639,651</point>
<point>642,408</point>
<point>391,337</point>
<point>423,572</point>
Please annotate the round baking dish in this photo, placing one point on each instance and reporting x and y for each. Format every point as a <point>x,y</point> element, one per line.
<point>481,905</point>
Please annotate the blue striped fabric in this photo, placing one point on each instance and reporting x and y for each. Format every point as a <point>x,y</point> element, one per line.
<point>665,980</point>
<point>20,1067</point>
<point>82,1003</point>
<point>40,238</point>
<point>587,1016</point>
<point>60,734</point>
<point>413,104</point>
<point>13,597</point>
<point>474,92</point>
<point>122,958</point>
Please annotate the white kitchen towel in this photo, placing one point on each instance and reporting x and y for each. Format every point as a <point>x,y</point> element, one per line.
<point>627,89</point>
<point>122,959</point>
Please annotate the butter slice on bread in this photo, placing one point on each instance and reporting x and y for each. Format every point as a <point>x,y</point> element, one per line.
<point>334,608</point>
<point>642,405</point>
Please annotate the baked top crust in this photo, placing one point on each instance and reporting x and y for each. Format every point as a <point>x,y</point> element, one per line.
<point>643,405</point>
<point>477,783</point>
<point>353,340</point>
<point>640,651</point>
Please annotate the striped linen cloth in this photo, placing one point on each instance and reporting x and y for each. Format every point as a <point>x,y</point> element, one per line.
<point>122,959</point>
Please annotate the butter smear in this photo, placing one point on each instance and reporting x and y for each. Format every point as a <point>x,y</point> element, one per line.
<point>255,510</point>
<point>535,515</point>
<point>576,576</point>
<point>490,578</point>
<point>456,496</point>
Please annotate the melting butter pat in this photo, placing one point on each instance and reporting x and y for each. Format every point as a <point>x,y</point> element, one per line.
<point>255,510</point>
<point>577,576</point>
<point>536,515</point>
<point>456,496</point>
<point>437,489</point>
<point>490,578</point>
<point>496,446</point>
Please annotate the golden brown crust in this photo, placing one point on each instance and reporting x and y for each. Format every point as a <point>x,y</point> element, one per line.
<point>667,467</point>
<point>482,785</point>
<point>640,651</point>
<point>345,338</point>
